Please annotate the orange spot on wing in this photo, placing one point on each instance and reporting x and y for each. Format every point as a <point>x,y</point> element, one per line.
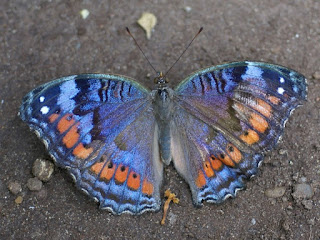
<point>72,136</point>
<point>133,181</point>
<point>53,117</point>
<point>96,168</point>
<point>234,153</point>
<point>274,100</point>
<point>208,169</point>
<point>239,107</point>
<point>108,171</point>
<point>258,122</point>
<point>263,108</point>
<point>201,180</point>
<point>64,123</point>
<point>226,160</point>
<point>250,138</point>
<point>81,152</point>
<point>215,163</point>
<point>147,187</point>
<point>121,173</point>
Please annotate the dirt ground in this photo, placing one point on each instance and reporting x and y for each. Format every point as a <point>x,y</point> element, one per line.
<point>43,40</point>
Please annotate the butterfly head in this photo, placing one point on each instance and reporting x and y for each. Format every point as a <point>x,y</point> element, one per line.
<point>160,80</point>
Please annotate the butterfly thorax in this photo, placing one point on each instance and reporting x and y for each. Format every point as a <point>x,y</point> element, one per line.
<point>162,99</point>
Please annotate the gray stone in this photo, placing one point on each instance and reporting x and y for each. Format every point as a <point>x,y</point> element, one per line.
<point>42,169</point>
<point>311,221</point>
<point>275,192</point>
<point>308,204</point>
<point>187,9</point>
<point>253,221</point>
<point>172,218</point>
<point>34,184</point>
<point>302,191</point>
<point>14,187</point>
<point>316,75</point>
<point>285,225</point>
<point>303,179</point>
<point>283,152</point>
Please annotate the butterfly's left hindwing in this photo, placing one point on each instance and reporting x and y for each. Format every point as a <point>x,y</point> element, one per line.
<point>91,125</point>
<point>226,117</point>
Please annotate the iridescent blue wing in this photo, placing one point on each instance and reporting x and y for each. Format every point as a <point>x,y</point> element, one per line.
<point>91,124</point>
<point>226,117</point>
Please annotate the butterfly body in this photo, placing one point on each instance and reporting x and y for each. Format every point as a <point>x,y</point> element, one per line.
<point>114,136</point>
<point>163,108</point>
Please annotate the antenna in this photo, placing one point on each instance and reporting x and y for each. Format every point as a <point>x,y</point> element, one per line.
<point>140,49</point>
<point>200,30</point>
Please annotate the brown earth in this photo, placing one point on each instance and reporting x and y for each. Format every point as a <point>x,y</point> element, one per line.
<point>43,40</point>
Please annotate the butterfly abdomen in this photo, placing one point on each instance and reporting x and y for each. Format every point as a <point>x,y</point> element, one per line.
<point>163,109</point>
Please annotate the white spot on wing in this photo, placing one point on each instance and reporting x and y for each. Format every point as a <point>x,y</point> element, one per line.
<point>282,80</point>
<point>68,91</point>
<point>44,110</point>
<point>41,99</point>
<point>280,90</point>
<point>254,74</point>
<point>253,71</point>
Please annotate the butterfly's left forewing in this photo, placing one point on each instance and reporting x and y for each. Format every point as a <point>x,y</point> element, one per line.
<point>92,125</point>
<point>226,117</point>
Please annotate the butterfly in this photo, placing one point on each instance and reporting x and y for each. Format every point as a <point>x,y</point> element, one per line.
<point>115,136</point>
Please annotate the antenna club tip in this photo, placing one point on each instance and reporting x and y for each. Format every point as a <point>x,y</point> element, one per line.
<point>200,30</point>
<point>128,30</point>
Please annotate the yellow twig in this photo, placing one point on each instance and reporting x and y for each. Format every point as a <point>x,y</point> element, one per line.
<point>170,197</point>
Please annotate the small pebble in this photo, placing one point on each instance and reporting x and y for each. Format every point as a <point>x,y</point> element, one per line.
<point>253,221</point>
<point>308,204</point>
<point>285,225</point>
<point>42,194</point>
<point>18,200</point>
<point>275,192</point>
<point>273,201</point>
<point>34,184</point>
<point>302,191</point>
<point>84,13</point>
<point>187,9</point>
<point>283,151</point>
<point>303,179</point>
<point>14,187</point>
<point>42,169</point>
<point>295,177</point>
<point>311,221</point>
<point>172,218</point>
<point>316,75</point>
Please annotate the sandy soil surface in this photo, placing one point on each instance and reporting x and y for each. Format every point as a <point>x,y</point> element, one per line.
<point>43,40</point>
